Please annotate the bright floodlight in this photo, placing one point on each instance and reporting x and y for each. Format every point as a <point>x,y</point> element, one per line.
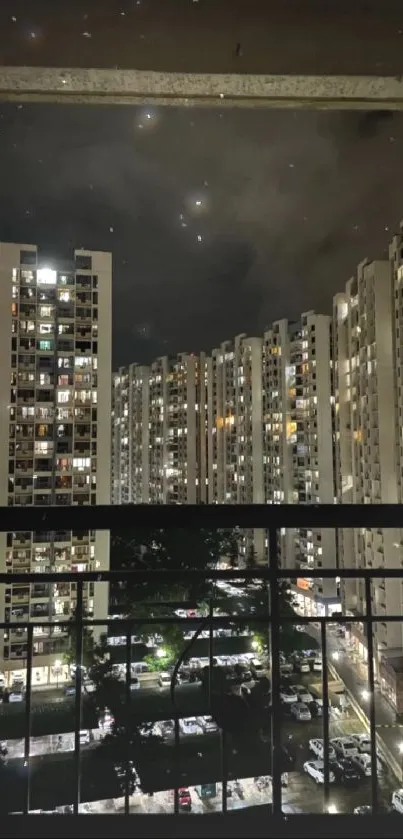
<point>161,653</point>
<point>46,276</point>
<point>365,694</point>
<point>332,809</point>
<point>401,747</point>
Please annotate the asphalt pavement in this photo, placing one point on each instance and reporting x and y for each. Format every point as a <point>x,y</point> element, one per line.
<point>390,732</point>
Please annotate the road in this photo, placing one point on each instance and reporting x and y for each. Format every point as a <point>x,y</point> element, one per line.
<point>385,719</point>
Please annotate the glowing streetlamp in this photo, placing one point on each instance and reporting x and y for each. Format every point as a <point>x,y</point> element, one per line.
<point>365,695</point>
<point>332,809</point>
<point>161,653</point>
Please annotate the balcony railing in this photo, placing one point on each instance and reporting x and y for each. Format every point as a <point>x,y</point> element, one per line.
<point>268,619</point>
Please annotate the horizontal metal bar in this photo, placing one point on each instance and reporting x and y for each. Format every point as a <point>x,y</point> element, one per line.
<point>124,625</point>
<point>132,516</point>
<point>164,574</point>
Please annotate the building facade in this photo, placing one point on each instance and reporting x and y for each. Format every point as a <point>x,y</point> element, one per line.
<point>298,446</point>
<point>55,401</point>
<point>368,440</point>
<point>159,432</point>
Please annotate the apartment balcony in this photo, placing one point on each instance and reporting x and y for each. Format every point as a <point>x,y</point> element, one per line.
<point>73,781</point>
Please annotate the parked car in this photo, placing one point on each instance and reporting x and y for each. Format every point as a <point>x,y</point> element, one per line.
<point>316,708</point>
<point>17,694</point>
<point>288,695</point>
<point>363,810</point>
<point>69,689</point>
<point>317,665</point>
<point>164,680</point>
<point>166,729</point>
<point>207,725</point>
<point>303,693</point>
<point>302,665</point>
<point>397,800</point>
<point>316,746</point>
<point>301,712</point>
<point>345,771</point>
<point>345,746</point>
<point>257,668</point>
<point>315,768</point>
<point>188,725</point>
<point>184,799</point>
<point>84,737</point>
<point>363,763</point>
<point>363,742</point>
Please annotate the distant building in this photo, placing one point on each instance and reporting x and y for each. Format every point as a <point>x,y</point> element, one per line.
<point>55,398</point>
<point>298,447</point>
<point>159,432</point>
<point>368,440</point>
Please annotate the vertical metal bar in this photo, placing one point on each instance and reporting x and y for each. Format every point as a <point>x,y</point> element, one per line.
<point>325,697</point>
<point>224,771</point>
<point>27,739</point>
<point>276,766</point>
<point>210,650</point>
<point>79,662</point>
<point>177,762</point>
<point>371,688</point>
<point>127,717</point>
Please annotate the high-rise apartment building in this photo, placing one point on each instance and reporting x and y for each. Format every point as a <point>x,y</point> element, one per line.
<point>368,437</point>
<point>235,445</point>
<point>298,445</point>
<point>55,402</point>
<point>160,432</point>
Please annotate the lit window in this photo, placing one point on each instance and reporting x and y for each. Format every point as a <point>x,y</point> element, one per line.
<point>81,462</point>
<point>63,396</point>
<point>45,346</point>
<point>46,276</point>
<point>64,296</point>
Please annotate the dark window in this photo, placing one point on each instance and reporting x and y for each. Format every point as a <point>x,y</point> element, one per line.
<point>28,257</point>
<point>83,263</point>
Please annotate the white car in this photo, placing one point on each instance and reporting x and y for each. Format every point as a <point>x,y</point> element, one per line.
<point>84,737</point>
<point>189,725</point>
<point>16,695</point>
<point>317,665</point>
<point>302,666</point>
<point>363,762</point>
<point>301,712</point>
<point>316,769</point>
<point>363,742</point>
<point>164,680</point>
<point>303,693</point>
<point>397,801</point>
<point>345,746</point>
<point>316,746</point>
<point>288,695</point>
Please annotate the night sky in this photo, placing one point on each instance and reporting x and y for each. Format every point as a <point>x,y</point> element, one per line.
<point>219,221</point>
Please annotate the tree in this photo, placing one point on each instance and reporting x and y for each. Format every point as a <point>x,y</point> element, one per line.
<point>87,645</point>
<point>251,557</point>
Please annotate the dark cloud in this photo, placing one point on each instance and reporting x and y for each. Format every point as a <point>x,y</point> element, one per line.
<point>294,200</point>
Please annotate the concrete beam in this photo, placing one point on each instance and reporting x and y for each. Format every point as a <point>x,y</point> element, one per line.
<point>309,52</point>
<point>128,87</point>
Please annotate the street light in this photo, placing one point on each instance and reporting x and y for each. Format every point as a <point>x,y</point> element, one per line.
<point>365,694</point>
<point>332,809</point>
<point>400,747</point>
<point>161,653</point>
